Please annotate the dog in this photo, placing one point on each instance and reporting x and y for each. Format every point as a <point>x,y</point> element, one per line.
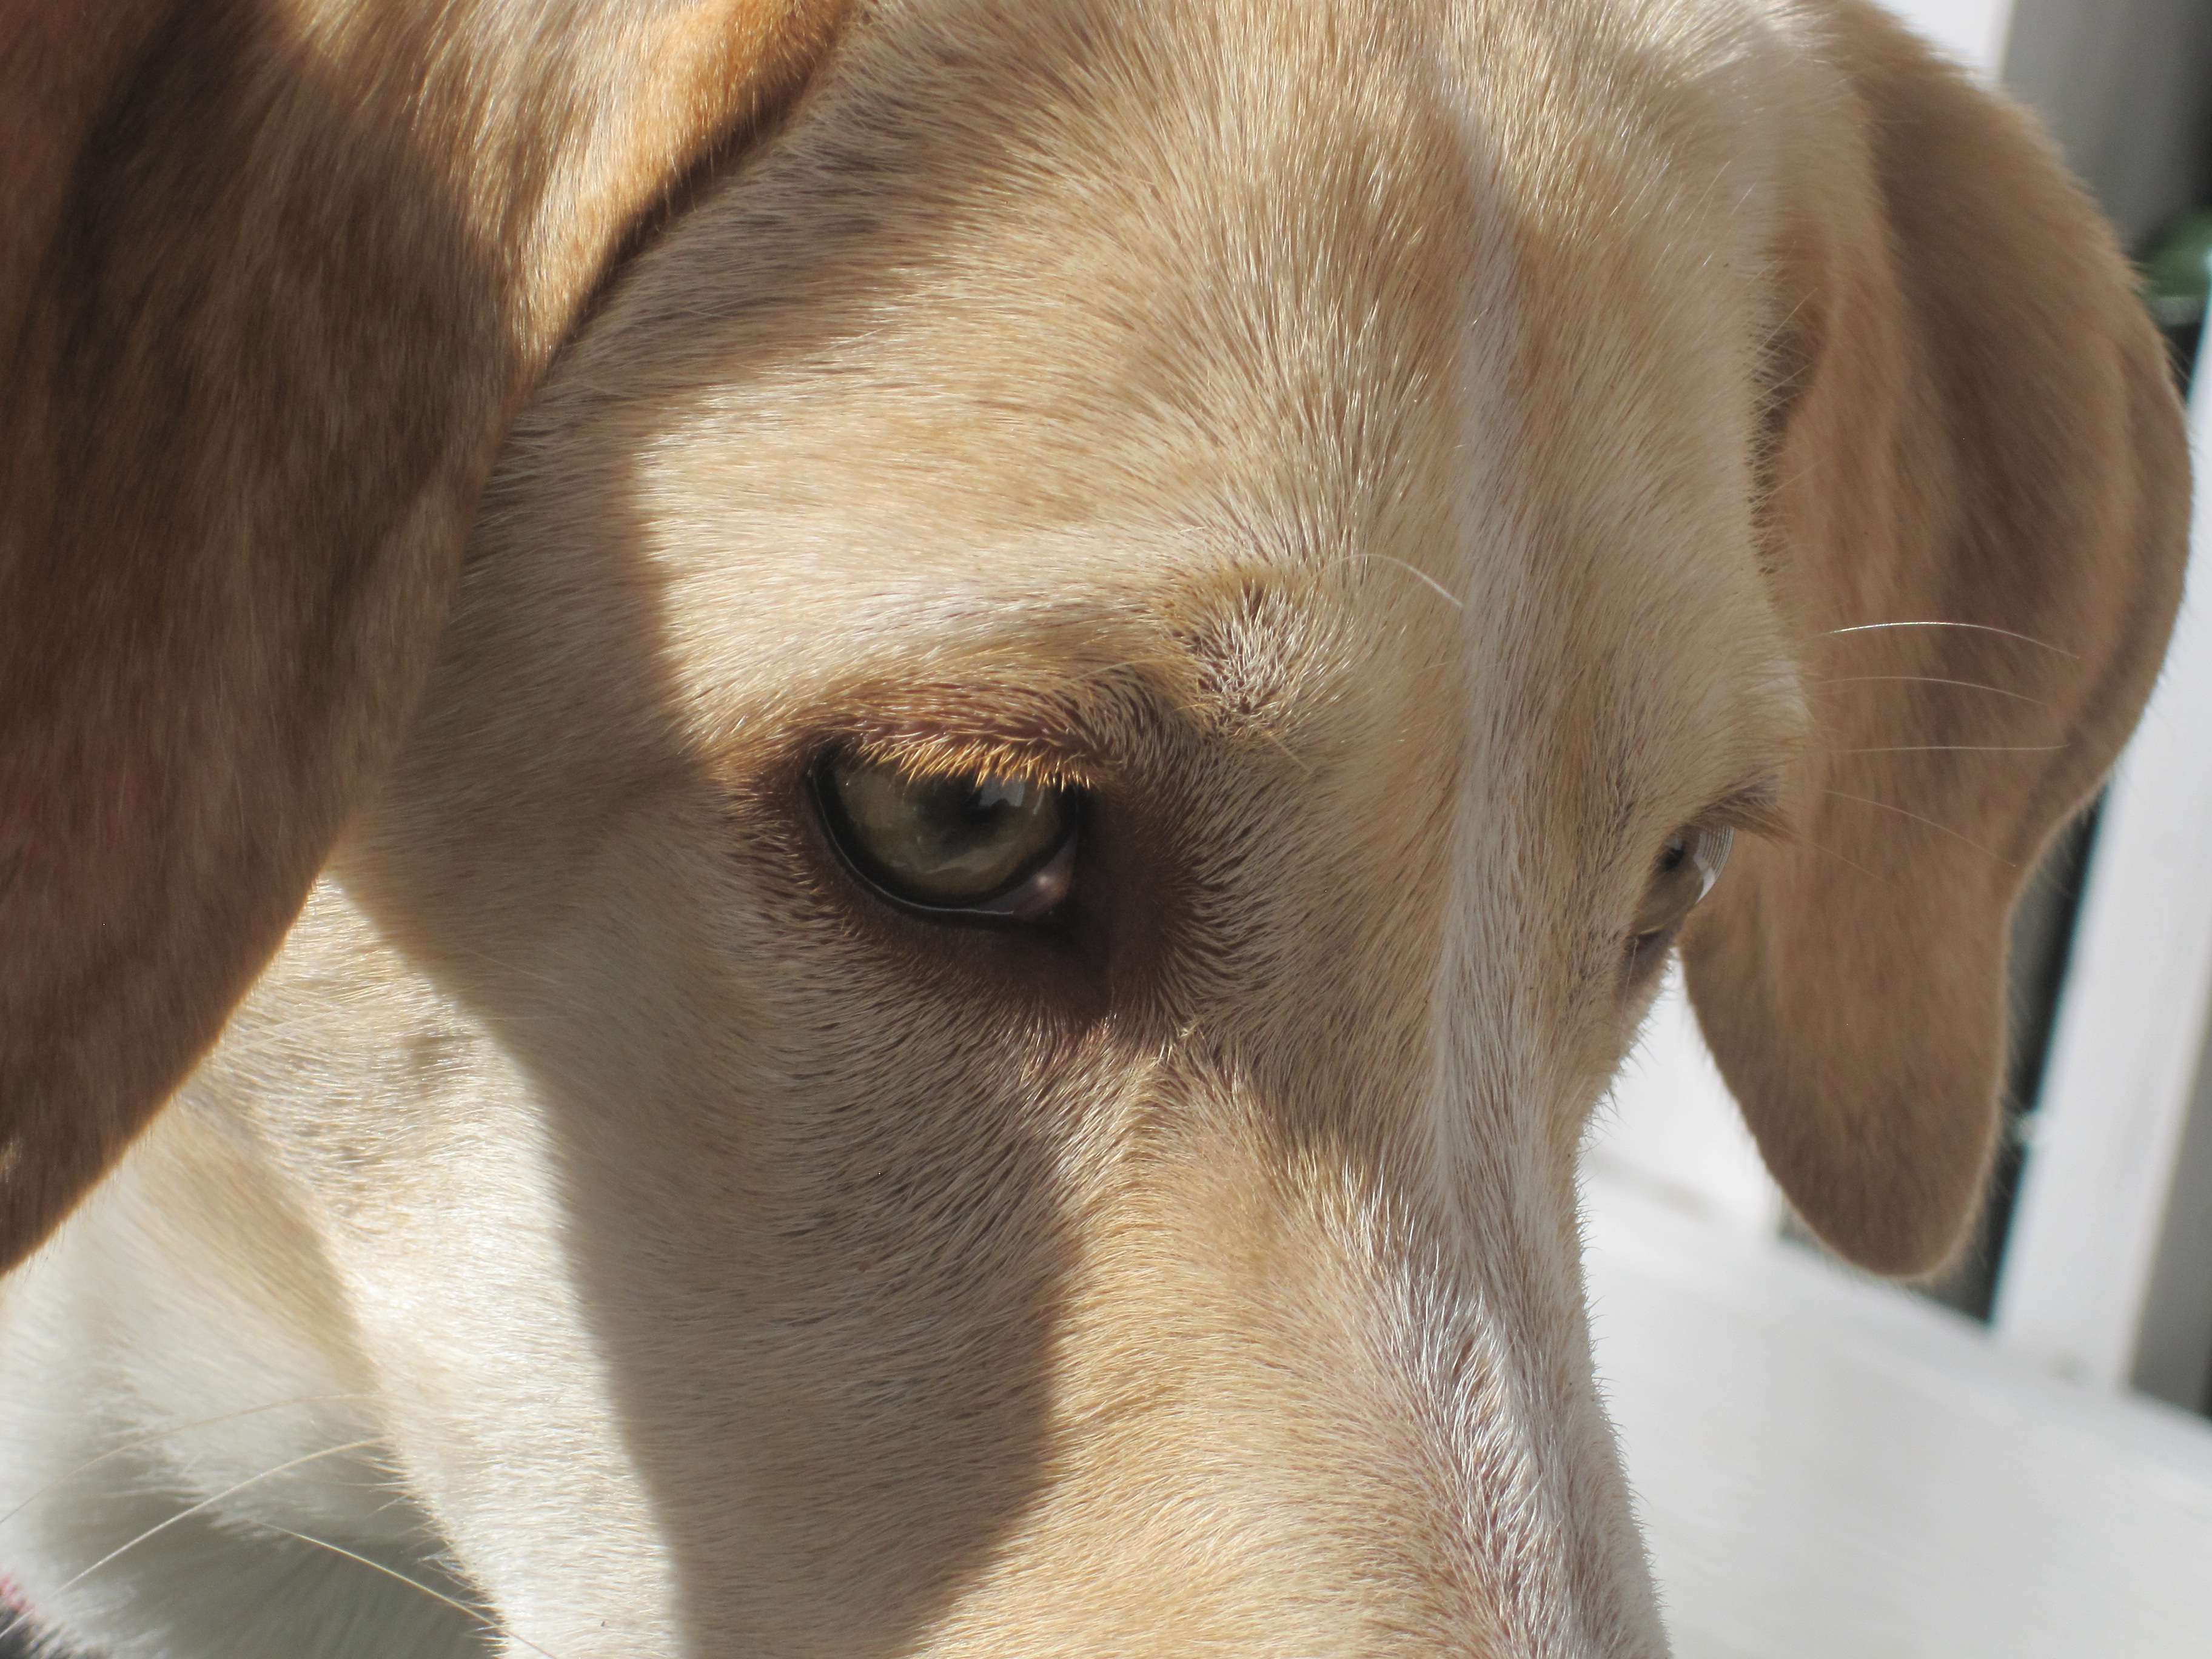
<point>877,787</point>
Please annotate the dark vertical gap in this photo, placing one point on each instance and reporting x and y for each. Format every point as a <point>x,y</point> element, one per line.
<point>2042,940</point>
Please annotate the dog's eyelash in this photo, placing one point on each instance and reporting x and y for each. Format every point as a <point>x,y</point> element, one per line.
<point>920,757</point>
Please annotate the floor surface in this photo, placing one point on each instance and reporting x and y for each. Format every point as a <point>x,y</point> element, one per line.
<point>1831,1469</point>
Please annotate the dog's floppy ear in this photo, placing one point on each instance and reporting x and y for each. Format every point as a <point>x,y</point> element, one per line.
<point>275,276</point>
<point>1977,516</point>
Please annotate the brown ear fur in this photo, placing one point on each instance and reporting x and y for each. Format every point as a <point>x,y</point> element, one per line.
<point>277,274</point>
<point>1976,429</point>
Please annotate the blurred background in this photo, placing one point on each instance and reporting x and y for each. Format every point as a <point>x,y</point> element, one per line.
<point>2015,1460</point>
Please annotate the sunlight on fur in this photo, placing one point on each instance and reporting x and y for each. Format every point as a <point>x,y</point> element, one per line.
<point>488,1171</point>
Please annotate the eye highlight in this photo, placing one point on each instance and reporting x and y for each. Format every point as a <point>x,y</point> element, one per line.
<point>1685,872</point>
<point>955,844</point>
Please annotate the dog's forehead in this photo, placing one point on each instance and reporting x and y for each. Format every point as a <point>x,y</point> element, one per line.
<point>1290,389</point>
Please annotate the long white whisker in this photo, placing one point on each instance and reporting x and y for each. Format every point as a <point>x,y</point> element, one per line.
<point>160,1527</point>
<point>1415,571</point>
<point>1958,749</point>
<point>1940,829</point>
<point>167,1434</point>
<point>1978,628</point>
<point>1851,863</point>
<point>460,1607</point>
<point>1931,679</point>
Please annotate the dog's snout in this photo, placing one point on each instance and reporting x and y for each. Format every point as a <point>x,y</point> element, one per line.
<point>1283,1420</point>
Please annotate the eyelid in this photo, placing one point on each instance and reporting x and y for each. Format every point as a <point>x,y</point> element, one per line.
<point>1756,810</point>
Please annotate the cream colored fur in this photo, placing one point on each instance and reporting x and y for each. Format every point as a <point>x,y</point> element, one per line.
<point>1374,447</point>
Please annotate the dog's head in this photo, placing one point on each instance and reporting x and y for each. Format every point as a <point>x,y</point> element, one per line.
<point>1078,722</point>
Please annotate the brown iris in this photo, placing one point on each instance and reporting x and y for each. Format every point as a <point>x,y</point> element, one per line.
<point>958,841</point>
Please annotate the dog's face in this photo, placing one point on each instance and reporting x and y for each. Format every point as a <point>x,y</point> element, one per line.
<point>1184,1258</point>
<point>1076,729</point>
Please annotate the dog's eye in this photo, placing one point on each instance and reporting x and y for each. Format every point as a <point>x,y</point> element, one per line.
<point>1686,869</point>
<point>965,843</point>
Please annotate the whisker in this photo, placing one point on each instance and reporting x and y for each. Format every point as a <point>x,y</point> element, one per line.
<point>1942,829</point>
<point>160,1527</point>
<point>1958,749</point>
<point>1931,679</point>
<point>1850,863</point>
<point>1978,628</point>
<point>169,1433</point>
<point>1415,571</point>
<point>462,1608</point>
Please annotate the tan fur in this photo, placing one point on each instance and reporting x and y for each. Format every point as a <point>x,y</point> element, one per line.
<point>1974,427</point>
<point>276,284</point>
<point>1405,460</point>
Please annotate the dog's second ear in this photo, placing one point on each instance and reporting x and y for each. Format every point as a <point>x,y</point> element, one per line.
<point>1977,522</point>
<point>276,276</point>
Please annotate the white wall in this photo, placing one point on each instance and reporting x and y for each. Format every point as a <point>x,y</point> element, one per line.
<point>2124,86</point>
<point>1972,31</point>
